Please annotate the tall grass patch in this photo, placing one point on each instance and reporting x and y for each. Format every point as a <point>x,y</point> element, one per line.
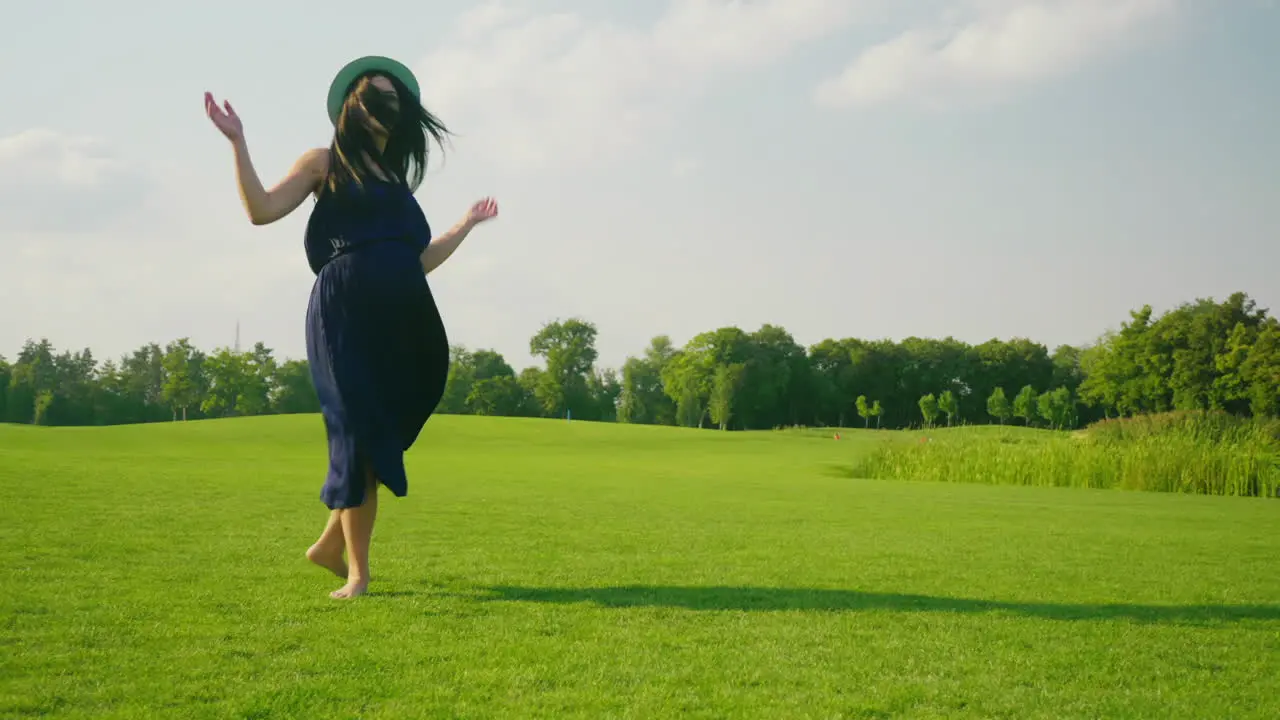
<point>1205,453</point>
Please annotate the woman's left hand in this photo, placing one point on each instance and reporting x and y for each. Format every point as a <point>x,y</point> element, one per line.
<point>483,210</point>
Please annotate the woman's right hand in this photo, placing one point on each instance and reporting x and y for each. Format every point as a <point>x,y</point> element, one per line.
<point>224,118</point>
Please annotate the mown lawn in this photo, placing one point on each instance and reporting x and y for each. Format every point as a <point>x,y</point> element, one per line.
<point>553,569</point>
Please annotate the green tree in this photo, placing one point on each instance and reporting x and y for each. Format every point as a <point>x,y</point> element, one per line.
<point>1190,358</point>
<point>259,367</point>
<point>183,384</point>
<point>1261,371</point>
<point>689,375</point>
<point>661,409</point>
<point>1055,407</point>
<point>498,395</point>
<point>292,389</point>
<point>231,383</point>
<point>1003,363</point>
<point>467,370</point>
<point>725,385</point>
<point>864,410</point>
<point>488,364</point>
<point>948,405</point>
<point>998,406</point>
<point>32,376</point>
<point>1230,391</point>
<point>6,371</point>
<point>929,409</point>
<point>1024,405</point>
<point>603,391</point>
<point>1200,355</point>
<point>632,408</point>
<point>641,398</point>
<point>141,376</point>
<point>568,347</point>
<point>109,397</point>
<point>44,400</point>
<point>830,362</point>
<point>689,409</point>
<point>683,381</point>
<point>777,386</point>
<point>457,386</point>
<point>71,399</point>
<point>531,379</point>
<point>1067,372</point>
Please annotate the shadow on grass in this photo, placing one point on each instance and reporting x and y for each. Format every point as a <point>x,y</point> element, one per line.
<point>762,599</point>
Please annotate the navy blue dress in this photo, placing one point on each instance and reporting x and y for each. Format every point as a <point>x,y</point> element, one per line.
<point>376,344</point>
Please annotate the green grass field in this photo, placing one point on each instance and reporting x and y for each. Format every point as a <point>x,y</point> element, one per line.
<point>553,569</point>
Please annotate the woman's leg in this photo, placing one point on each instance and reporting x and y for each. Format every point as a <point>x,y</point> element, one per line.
<point>327,552</point>
<point>357,527</point>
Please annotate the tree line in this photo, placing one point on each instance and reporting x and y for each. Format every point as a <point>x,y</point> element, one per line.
<point>1200,355</point>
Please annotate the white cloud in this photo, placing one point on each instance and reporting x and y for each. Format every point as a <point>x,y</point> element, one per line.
<point>540,91</point>
<point>50,181</point>
<point>997,45</point>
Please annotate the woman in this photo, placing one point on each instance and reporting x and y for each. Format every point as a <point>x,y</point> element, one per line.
<point>377,347</point>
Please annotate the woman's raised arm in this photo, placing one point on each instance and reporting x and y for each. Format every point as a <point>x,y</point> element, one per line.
<point>443,245</point>
<point>267,206</point>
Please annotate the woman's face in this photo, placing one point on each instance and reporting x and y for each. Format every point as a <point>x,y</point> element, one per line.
<point>381,104</point>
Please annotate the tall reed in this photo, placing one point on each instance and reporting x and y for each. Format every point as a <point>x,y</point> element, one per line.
<point>1188,452</point>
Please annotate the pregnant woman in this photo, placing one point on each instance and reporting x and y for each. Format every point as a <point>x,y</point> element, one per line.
<point>376,343</point>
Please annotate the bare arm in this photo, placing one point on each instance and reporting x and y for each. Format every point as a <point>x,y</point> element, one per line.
<point>443,245</point>
<point>267,206</point>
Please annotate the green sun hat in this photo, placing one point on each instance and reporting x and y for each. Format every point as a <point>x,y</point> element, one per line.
<point>360,66</point>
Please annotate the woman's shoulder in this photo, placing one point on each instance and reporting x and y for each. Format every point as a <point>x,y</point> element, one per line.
<point>316,161</point>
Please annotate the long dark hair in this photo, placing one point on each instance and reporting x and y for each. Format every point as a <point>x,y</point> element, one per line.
<point>405,156</point>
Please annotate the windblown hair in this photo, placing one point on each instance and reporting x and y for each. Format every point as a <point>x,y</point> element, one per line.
<point>405,156</point>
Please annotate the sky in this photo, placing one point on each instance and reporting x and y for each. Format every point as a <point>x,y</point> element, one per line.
<point>842,168</point>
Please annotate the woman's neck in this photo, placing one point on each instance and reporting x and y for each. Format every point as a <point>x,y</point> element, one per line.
<point>376,166</point>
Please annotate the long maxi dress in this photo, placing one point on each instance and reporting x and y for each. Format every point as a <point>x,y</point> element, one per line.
<point>376,343</point>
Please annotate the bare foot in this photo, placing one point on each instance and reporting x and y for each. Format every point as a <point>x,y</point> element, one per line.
<point>328,559</point>
<point>353,588</point>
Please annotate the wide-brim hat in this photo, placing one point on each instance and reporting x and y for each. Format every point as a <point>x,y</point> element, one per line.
<point>354,69</point>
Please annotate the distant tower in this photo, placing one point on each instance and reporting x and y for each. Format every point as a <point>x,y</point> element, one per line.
<point>237,336</point>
